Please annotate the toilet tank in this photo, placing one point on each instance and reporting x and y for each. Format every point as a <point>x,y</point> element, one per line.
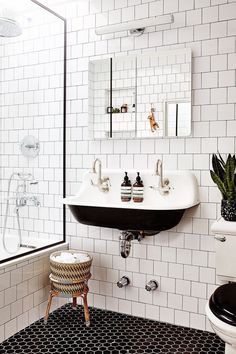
<point>225,236</point>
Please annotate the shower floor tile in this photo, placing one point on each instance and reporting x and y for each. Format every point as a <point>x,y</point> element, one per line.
<point>110,332</point>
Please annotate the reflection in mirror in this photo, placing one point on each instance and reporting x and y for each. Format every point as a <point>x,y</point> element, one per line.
<point>99,86</point>
<point>144,97</point>
<point>177,122</point>
<point>123,97</point>
<point>112,94</point>
<point>162,78</point>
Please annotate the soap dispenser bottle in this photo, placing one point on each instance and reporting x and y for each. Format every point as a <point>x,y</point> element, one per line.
<point>126,189</point>
<point>138,190</point>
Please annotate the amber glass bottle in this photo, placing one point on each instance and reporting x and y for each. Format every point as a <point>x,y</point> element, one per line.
<point>126,189</point>
<point>138,190</point>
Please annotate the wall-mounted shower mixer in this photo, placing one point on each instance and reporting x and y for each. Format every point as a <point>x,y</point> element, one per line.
<point>21,199</point>
<point>151,285</point>
<point>29,146</point>
<point>124,281</point>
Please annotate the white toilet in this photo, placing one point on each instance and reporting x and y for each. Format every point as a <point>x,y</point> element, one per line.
<point>221,308</point>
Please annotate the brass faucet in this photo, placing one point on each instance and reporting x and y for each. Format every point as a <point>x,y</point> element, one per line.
<point>102,182</point>
<point>163,185</point>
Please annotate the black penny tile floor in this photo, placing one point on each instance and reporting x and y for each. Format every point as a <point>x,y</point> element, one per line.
<point>110,332</point>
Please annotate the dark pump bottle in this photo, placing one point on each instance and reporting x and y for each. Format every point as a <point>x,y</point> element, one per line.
<point>126,189</point>
<point>138,190</point>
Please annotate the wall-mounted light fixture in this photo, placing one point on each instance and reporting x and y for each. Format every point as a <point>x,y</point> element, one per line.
<point>136,27</point>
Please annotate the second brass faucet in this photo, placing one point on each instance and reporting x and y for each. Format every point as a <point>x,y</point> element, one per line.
<point>102,182</point>
<point>163,186</point>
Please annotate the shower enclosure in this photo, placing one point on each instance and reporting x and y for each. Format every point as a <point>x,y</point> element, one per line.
<point>32,128</point>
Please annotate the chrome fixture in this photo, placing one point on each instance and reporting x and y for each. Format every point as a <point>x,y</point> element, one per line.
<point>137,25</point>
<point>102,182</point>
<point>30,146</point>
<point>151,285</point>
<point>124,281</point>
<point>20,200</point>
<point>127,236</point>
<point>164,183</point>
<point>9,28</point>
<point>220,238</point>
<point>125,241</point>
<point>136,32</point>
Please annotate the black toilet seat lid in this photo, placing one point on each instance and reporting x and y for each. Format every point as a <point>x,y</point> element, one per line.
<point>223,303</point>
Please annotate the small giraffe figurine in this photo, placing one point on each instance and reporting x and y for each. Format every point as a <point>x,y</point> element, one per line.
<point>153,124</point>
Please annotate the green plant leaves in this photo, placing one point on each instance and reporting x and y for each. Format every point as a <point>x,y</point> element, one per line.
<point>216,179</point>
<point>223,175</point>
<point>229,177</point>
<point>218,167</point>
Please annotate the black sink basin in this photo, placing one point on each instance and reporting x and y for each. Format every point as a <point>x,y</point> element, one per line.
<point>127,219</point>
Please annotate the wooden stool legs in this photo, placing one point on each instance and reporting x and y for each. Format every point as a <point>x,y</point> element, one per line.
<point>74,303</point>
<point>53,293</point>
<point>86,311</point>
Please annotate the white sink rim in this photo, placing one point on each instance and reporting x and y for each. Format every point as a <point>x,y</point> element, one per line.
<point>158,202</point>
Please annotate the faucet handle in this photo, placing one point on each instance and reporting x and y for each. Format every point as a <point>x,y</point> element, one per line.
<point>166,182</point>
<point>33,182</point>
<point>105,184</point>
<point>106,179</point>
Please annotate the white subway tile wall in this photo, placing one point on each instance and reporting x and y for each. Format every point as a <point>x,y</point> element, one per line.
<point>183,259</point>
<point>24,289</point>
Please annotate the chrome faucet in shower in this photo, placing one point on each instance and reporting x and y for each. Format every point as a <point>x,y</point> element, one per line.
<point>20,199</point>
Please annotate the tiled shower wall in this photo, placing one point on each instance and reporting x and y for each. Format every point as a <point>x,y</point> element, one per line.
<point>31,73</point>
<point>183,259</point>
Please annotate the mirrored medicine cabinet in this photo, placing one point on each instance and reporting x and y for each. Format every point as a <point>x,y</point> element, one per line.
<point>146,96</point>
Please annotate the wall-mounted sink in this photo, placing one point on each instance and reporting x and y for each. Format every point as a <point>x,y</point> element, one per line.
<point>156,213</point>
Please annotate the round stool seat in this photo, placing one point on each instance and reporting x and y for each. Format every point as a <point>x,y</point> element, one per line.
<point>223,303</point>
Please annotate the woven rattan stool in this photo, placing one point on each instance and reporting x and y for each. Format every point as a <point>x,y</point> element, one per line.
<point>69,280</point>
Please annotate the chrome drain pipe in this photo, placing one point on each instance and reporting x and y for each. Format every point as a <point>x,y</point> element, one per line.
<point>125,241</point>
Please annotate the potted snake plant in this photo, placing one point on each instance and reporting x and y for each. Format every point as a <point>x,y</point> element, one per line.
<point>223,175</point>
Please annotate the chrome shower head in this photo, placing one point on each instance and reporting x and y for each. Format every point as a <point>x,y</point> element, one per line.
<point>9,28</point>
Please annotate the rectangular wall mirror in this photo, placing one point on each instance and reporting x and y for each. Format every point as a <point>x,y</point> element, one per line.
<point>141,97</point>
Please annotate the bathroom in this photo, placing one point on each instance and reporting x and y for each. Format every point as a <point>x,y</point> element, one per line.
<point>59,78</point>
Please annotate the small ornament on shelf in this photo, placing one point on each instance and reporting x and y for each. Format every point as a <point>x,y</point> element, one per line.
<point>124,108</point>
<point>109,109</point>
<point>115,110</point>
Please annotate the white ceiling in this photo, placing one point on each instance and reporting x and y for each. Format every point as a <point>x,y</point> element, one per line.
<point>27,5</point>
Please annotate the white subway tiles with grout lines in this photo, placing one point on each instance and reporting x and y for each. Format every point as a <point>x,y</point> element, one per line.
<point>183,259</point>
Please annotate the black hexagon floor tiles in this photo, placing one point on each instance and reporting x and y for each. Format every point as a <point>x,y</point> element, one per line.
<point>110,332</point>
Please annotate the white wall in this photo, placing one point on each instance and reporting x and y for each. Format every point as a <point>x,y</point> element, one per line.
<point>183,259</point>
<point>24,289</point>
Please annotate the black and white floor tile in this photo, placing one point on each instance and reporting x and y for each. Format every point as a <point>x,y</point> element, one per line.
<point>110,332</point>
